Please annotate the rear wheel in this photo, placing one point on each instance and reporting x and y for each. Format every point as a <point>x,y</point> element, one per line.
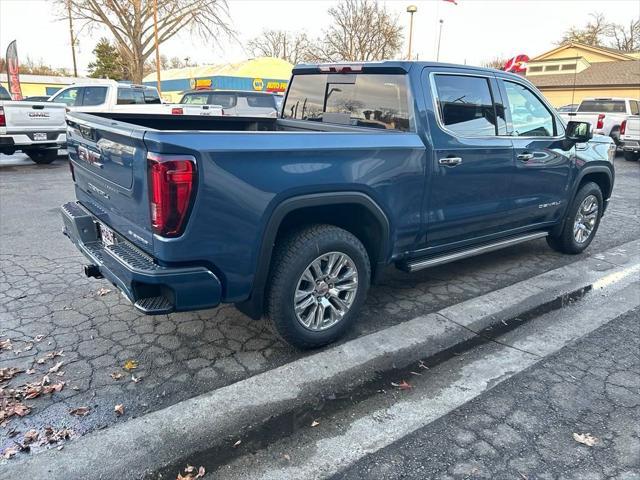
<point>581,221</point>
<point>319,281</point>
<point>631,156</point>
<point>42,157</point>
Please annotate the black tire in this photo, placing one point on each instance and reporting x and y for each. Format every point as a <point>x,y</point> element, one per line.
<point>631,156</point>
<point>615,136</point>
<point>565,241</point>
<point>43,157</point>
<point>292,255</point>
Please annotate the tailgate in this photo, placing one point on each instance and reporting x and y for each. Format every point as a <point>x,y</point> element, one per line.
<point>632,130</point>
<point>110,167</point>
<point>34,116</point>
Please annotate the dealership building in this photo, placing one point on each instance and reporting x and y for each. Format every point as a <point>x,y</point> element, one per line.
<point>263,74</point>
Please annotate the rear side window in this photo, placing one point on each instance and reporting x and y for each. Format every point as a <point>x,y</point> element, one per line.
<point>364,100</point>
<point>633,106</point>
<point>130,96</point>
<point>465,105</point>
<point>151,96</point>
<point>529,115</point>
<point>261,101</point>
<point>4,95</point>
<point>602,106</point>
<point>94,96</point>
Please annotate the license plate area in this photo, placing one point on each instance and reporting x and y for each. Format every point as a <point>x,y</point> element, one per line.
<point>38,137</point>
<point>107,236</point>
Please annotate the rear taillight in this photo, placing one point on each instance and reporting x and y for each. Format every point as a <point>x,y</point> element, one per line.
<point>600,124</point>
<point>172,182</point>
<point>623,127</point>
<point>3,120</point>
<point>177,111</point>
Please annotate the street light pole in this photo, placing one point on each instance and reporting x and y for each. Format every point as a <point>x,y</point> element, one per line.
<point>411,9</point>
<point>439,38</point>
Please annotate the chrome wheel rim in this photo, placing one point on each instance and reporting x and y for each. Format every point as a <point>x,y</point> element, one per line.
<point>586,218</point>
<point>326,291</point>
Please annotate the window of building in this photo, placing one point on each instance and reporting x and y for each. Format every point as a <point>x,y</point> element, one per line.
<point>535,69</point>
<point>552,68</point>
<point>569,66</point>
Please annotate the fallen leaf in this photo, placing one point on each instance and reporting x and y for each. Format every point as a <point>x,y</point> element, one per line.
<point>403,385</point>
<point>103,291</point>
<point>135,379</point>
<point>117,375</point>
<point>55,368</point>
<point>585,438</point>
<point>286,457</point>
<point>8,373</point>
<point>30,437</point>
<point>30,371</point>
<point>119,409</point>
<point>237,443</point>
<point>6,344</point>
<point>9,452</point>
<point>189,469</point>
<point>422,365</point>
<point>80,411</point>
<point>38,338</point>
<point>20,409</point>
<point>28,347</point>
<point>130,365</point>
<point>201,472</point>
<point>416,373</point>
<point>56,387</point>
<point>315,423</point>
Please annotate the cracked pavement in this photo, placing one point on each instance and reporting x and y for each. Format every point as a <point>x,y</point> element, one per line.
<point>43,292</point>
<point>523,428</point>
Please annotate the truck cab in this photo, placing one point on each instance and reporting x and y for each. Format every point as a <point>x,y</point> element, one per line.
<point>411,164</point>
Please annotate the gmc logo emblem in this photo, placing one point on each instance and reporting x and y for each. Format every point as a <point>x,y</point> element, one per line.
<point>39,115</point>
<point>89,156</point>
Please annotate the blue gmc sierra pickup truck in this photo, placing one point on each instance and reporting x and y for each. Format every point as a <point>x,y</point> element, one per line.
<point>369,164</point>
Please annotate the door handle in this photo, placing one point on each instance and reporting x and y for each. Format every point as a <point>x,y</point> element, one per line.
<point>450,161</point>
<point>525,157</point>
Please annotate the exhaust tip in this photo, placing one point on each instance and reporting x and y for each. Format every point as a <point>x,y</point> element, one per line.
<point>92,271</point>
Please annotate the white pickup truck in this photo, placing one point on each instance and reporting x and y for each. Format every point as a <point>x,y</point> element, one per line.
<point>604,114</point>
<point>630,138</point>
<point>35,128</point>
<point>109,96</point>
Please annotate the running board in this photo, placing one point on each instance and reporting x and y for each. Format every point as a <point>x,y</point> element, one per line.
<point>428,262</point>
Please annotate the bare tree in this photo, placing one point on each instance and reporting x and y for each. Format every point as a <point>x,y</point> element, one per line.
<point>594,33</point>
<point>294,47</point>
<point>495,62</point>
<point>131,23</point>
<point>361,30</point>
<point>626,38</point>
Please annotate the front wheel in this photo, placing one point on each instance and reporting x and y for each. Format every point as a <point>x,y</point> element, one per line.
<point>42,157</point>
<point>631,156</point>
<point>581,222</point>
<point>318,282</point>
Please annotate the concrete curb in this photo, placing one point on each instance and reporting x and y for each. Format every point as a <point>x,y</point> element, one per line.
<point>143,445</point>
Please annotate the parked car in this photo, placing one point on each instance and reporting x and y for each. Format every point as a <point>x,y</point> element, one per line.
<point>630,137</point>
<point>412,164</point>
<point>235,102</point>
<point>605,114</point>
<point>568,108</point>
<point>108,96</point>
<point>34,128</point>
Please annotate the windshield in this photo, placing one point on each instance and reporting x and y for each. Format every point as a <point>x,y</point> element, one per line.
<point>602,106</point>
<point>364,100</point>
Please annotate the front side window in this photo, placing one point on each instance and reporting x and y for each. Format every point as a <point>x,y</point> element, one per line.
<point>466,106</point>
<point>363,100</point>
<point>94,96</point>
<point>530,117</point>
<point>69,97</point>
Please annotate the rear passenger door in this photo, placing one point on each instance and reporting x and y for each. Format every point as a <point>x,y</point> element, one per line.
<point>468,196</point>
<point>543,160</point>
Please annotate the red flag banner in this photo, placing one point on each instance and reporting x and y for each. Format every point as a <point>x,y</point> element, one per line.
<point>451,1</point>
<point>13,71</point>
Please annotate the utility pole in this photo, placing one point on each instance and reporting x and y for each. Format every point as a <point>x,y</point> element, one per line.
<point>411,9</point>
<point>439,38</point>
<point>155,34</point>
<point>73,40</point>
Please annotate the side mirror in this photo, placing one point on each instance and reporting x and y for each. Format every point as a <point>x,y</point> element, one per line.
<point>579,132</point>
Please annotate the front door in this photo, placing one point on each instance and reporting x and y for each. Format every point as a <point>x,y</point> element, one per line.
<point>543,159</point>
<point>469,193</point>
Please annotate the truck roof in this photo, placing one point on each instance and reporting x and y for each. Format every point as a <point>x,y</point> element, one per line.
<point>388,66</point>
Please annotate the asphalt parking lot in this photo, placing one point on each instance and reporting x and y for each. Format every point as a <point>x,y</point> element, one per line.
<point>51,313</point>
